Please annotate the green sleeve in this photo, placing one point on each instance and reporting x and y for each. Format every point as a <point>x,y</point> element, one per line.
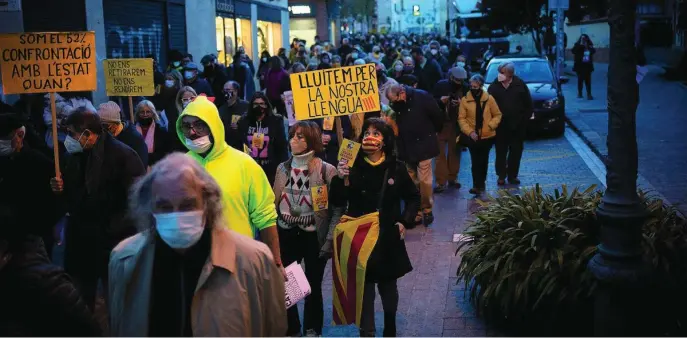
<point>261,209</point>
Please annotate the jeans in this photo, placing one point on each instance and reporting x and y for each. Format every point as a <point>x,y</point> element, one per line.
<point>479,156</point>
<point>510,145</point>
<point>421,174</point>
<point>388,291</point>
<point>297,245</point>
<point>586,79</point>
<point>447,163</point>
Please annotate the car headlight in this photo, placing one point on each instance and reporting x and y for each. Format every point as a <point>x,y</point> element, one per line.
<point>552,103</point>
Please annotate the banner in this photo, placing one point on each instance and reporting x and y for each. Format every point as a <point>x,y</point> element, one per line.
<point>335,92</point>
<point>48,62</point>
<point>354,240</point>
<point>129,77</point>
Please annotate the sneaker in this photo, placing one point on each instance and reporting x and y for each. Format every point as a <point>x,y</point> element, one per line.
<point>501,181</point>
<point>590,97</point>
<point>440,188</point>
<point>427,218</point>
<point>454,184</point>
<point>312,333</point>
<point>514,180</point>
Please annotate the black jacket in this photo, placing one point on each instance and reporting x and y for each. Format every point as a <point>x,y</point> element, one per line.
<point>578,53</point>
<point>448,88</point>
<point>515,104</point>
<point>96,188</point>
<point>275,148</point>
<point>419,120</point>
<point>26,201</point>
<point>202,86</point>
<point>389,259</point>
<point>38,298</point>
<point>232,114</point>
<point>429,75</point>
<point>217,78</point>
<point>133,139</point>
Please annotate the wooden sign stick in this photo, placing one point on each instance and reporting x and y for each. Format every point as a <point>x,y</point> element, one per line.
<point>131,109</point>
<point>55,146</point>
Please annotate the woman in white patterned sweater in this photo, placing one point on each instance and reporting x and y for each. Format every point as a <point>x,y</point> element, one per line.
<point>306,219</point>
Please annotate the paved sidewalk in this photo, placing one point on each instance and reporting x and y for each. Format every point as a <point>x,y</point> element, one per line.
<point>661,126</point>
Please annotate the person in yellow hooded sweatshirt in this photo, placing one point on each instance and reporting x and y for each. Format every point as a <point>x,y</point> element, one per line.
<point>248,196</point>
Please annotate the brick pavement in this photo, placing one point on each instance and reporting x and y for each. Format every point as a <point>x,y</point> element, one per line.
<point>661,125</point>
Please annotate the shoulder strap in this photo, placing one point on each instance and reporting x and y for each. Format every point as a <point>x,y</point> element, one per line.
<point>384,184</point>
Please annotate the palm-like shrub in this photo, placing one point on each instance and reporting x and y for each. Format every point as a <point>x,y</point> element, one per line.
<point>526,262</point>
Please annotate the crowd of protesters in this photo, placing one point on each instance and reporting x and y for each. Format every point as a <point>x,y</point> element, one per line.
<point>196,244</point>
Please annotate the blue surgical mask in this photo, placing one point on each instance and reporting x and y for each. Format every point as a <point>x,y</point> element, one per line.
<point>180,230</point>
<point>188,75</point>
<point>72,145</point>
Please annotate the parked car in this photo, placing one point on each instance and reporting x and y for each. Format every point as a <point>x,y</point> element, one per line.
<point>547,96</point>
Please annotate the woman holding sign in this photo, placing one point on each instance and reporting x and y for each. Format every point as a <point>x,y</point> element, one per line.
<point>305,219</point>
<point>377,183</point>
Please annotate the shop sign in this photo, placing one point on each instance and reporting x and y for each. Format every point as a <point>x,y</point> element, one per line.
<point>301,10</point>
<point>225,6</point>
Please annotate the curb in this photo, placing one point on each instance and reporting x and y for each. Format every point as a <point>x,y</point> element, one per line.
<point>586,140</point>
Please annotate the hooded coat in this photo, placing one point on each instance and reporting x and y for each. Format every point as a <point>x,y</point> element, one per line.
<point>248,196</point>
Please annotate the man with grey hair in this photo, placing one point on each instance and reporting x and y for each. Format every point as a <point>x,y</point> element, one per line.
<point>185,273</point>
<point>513,98</point>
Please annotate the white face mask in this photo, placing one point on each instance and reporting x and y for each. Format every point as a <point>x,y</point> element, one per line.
<point>502,77</point>
<point>460,64</point>
<point>188,75</point>
<point>180,230</point>
<point>354,55</point>
<point>199,145</point>
<point>264,59</point>
<point>176,64</point>
<point>434,51</point>
<point>169,83</point>
<point>6,147</point>
<point>72,145</point>
<point>398,68</point>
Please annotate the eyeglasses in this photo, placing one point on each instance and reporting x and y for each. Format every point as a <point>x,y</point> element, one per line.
<point>199,127</point>
<point>145,112</point>
<point>187,100</point>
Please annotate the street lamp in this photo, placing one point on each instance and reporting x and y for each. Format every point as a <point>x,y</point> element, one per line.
<point>618,266</point>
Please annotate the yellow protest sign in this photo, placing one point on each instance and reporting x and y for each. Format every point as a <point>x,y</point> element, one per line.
<point>320,198</point>
<point>335,92</point>
<point>129,77</point>
<point>47,62</point>
<point>348,151</point>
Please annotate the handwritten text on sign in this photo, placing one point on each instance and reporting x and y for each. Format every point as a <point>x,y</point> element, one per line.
<point>48,62</point>
<point>335,92</point>
<point>129,77</point>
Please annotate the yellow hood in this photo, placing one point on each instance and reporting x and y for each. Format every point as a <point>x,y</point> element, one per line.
<point>205,110</point>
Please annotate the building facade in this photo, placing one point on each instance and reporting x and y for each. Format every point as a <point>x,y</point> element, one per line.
<point>310,18</point>
<point>412,16</point>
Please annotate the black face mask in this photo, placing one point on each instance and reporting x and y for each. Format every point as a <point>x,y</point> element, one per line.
<point>476,92</point>
<point>257,111</point>
<point>146,121</point>
<point>456,85</point>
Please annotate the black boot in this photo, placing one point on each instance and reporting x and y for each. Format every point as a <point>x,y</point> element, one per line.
<point>389,324</point>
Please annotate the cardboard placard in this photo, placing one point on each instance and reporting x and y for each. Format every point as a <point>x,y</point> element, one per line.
<point>320,198</point>
<point>48,62</point>
<point>288,101</point>
<point>129,77</point>
<point>349,151</point>
<point>335,92</point>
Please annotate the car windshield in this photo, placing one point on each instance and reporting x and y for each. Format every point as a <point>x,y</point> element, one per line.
<point>528,71</point>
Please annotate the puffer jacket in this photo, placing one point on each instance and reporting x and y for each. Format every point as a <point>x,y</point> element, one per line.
<point>467,115</point>
<point>38,298</point>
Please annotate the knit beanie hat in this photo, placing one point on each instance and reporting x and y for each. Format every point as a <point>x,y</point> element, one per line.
<point>109,112</point>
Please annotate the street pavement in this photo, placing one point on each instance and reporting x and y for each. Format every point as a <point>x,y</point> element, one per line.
<point>432,302</point>
<point>661,127</point>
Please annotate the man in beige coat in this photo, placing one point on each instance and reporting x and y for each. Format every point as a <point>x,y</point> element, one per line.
<point>185,273</point>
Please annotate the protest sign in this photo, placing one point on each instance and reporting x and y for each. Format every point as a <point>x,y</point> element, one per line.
<point>320,198</point>
<point>348,151</point>
<point>129,77</point>
<point>335,92</point>
<point>48,62</point>
<point>288,101</point>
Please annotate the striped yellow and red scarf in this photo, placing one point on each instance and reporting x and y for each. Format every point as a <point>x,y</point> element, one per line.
<point>354,239</point>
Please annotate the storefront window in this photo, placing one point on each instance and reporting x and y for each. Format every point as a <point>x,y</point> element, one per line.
<point>269,37</point>
<point>229,39</point>
<point>303,29</point>
<point>244,35</point>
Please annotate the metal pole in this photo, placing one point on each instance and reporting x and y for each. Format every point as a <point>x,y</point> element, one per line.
<point>560,42</point>
<point>620,308</point>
